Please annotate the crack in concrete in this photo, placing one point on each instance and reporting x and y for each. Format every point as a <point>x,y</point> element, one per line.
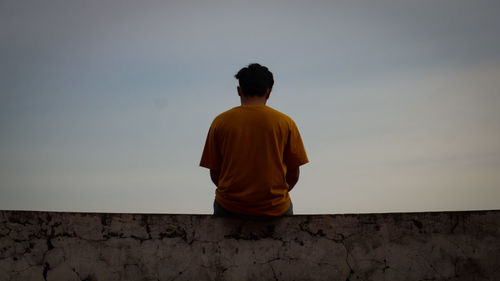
<point>146,224</point>
<point>386,266</point>
<point>351,270</point>
<point>274,272</point>
<point>46,268</point>
<point>341,240</point>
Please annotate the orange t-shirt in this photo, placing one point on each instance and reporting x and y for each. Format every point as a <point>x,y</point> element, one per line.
<point>252,146</point>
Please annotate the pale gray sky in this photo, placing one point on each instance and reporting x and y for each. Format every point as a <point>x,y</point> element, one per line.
<point>105,105</point>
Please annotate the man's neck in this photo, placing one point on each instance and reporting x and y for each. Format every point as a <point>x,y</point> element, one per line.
<point>253,100</point>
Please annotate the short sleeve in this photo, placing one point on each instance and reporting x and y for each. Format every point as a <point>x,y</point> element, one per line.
<point>295,153</point>
<point>211,157</point>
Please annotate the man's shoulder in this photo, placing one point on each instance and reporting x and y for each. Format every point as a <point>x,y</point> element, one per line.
<point>238,111</point>
<point>227,114</point>
<point>279,113</point>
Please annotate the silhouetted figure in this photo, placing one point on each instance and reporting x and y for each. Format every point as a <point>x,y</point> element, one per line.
<point>253,152</point>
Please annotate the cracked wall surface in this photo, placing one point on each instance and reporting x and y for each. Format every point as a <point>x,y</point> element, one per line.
<point>94,246</point>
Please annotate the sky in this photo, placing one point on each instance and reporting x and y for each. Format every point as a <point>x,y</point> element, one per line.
<point>105,105</point>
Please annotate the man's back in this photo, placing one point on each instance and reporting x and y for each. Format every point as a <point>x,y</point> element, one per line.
<point>253,151</point>
<point>252,146</point>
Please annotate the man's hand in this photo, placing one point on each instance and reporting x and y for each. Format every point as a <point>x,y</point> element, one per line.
<point>214,175</point>
<point>292,177</point>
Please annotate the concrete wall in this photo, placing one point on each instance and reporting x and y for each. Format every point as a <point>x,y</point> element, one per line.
<point>90,246</point>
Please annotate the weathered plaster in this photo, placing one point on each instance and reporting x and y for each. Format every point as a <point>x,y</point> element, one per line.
<point>49,246</point>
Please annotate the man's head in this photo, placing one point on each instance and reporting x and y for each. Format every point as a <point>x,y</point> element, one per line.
<point>255,80</point>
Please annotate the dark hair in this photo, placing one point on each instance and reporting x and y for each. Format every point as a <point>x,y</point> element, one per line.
<point>255,79</point>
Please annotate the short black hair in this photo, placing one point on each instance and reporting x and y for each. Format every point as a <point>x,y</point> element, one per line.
<point>255,79</point>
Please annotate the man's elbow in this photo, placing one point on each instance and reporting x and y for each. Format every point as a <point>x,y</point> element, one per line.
<point>214,176</point>
<point>292,177</point>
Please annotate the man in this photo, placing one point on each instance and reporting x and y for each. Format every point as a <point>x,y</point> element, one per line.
<point>253,152</point>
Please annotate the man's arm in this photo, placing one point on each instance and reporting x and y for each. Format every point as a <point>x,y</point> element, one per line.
<point>214,175</point>
<point>292,177</point>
